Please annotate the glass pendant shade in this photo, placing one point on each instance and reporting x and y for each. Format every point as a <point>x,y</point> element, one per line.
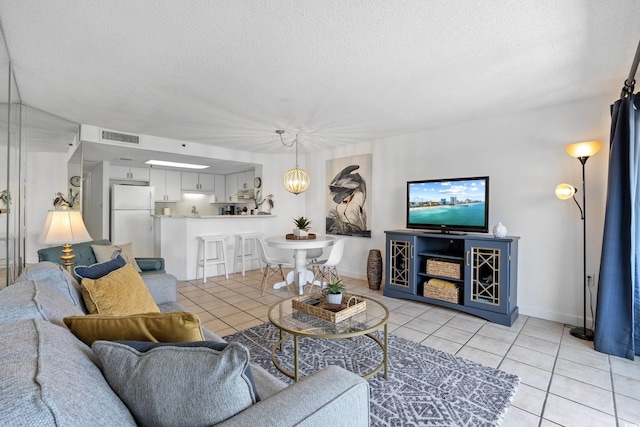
<point>296,180</point>
<point>565,191</point>
<point>583,149</point>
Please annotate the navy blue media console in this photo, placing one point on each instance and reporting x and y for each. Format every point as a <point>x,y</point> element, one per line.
<point>484,268</point>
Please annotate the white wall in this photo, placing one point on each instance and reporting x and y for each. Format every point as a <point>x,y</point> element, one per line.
<point>524,155</point>
<point>46,175</point>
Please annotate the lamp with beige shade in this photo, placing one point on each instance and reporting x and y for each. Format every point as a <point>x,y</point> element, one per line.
<point>64,227</point>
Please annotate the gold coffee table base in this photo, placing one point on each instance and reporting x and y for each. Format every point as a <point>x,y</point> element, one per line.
<point>362,324</point>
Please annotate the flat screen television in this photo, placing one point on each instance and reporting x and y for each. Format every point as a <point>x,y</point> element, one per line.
<point>449,205</point>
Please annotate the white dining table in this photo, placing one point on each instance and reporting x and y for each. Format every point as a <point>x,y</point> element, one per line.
<point>299,246</point>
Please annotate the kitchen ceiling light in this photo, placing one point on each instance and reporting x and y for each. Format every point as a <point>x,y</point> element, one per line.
<point>175,164</point>
<point>295,180</point>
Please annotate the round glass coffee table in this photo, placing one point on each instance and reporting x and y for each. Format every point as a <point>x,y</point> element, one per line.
<point>294,323</point>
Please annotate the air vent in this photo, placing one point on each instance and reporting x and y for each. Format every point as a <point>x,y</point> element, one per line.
<point>124,159</point>
<point>120,137</point>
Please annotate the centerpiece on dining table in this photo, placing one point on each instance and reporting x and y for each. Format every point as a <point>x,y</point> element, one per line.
<point>301,231</point>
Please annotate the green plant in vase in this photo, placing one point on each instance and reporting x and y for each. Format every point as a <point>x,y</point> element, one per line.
<point>334,290</point>
<point>302,226</point>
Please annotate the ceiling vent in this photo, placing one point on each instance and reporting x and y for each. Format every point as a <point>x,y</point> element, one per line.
<point>120,137</point>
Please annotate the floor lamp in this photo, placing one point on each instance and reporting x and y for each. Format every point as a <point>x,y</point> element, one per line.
<point>64,227</point>
<point>582,151</point>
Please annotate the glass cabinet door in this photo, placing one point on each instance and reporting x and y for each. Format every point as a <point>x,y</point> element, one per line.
<point>487,270</point>
<point>400,270</point>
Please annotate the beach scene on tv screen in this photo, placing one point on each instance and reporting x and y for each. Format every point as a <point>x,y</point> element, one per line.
<point>447,202</point>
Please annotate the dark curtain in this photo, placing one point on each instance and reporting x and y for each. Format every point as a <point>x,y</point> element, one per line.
<point>617,327</point>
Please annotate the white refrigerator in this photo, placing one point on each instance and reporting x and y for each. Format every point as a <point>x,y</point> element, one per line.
<point>132,211</point>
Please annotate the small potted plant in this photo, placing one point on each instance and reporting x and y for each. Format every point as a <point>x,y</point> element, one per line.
<point>302,226</point>
<point>334,290</point>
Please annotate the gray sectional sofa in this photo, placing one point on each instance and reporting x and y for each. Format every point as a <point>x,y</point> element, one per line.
<point>48,377</point>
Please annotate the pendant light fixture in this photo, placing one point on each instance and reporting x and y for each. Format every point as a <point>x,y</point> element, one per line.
<point>296,180</point>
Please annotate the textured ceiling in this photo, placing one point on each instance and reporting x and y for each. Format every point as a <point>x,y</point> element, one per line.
<point>228,73</point>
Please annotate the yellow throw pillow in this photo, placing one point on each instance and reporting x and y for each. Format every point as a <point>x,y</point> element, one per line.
<point>155,327</point>
<point>104,253</point>
<point>119,293</point>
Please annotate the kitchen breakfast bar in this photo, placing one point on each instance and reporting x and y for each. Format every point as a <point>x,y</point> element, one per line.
<point>176,238</point>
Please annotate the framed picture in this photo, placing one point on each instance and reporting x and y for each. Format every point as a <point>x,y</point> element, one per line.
<point>347,201</point>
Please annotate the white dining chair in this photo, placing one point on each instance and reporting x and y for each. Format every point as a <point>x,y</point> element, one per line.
<point>272,266</point>
<point>313,255</point>
<point>326,269</point>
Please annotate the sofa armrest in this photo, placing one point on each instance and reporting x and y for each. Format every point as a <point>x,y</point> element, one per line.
<point>163,287</point>
<point>330,397</point>
<point>151,264</point>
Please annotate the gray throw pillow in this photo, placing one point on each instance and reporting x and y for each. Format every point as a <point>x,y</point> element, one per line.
<point>104,253</point>
<point>178,385</point>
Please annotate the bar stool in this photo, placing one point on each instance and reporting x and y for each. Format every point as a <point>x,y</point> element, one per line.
<point>246,249</point>
<point>219,258</point>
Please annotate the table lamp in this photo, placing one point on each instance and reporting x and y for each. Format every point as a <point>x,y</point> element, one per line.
<point>64,227</point>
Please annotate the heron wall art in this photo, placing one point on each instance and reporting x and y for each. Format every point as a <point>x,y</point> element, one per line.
<point>347,195</point>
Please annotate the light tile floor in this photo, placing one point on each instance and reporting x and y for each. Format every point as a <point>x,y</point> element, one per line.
<point>564,381</point>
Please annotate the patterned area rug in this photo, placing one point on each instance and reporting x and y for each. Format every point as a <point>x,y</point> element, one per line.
<point>425,386</point>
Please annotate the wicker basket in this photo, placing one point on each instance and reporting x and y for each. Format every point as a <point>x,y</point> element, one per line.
<point>444,268</point>
<point>442,293</point>
<point>316,305</point>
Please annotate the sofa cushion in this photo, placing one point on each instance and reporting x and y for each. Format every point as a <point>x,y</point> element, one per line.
<point>104,253</point>
<point>50,378</point>
<point>58,277</point>
<point>155,327</point>
<point>119,293</point>
<point>34,299</point>
<point>99,269</point>
<point>185,384</point>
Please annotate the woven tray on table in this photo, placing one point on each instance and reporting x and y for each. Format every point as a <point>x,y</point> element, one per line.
<point>440,267</point>
<point>292,236</point>
<point>316,305</point>
<point>442,290</point>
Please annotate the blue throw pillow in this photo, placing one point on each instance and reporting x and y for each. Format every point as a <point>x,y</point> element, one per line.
<point>99,269</point>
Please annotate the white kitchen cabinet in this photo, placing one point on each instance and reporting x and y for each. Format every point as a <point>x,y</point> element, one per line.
<point>128,173</point>
<point>192,181</point>
<point>242,180</point>
<point>189,181</point>
<point>220,188</point>
<point>206,181</point>
<point>245,180</point>
<point>231,185</point>
<point>167,184</point>
<point>236,182</point>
